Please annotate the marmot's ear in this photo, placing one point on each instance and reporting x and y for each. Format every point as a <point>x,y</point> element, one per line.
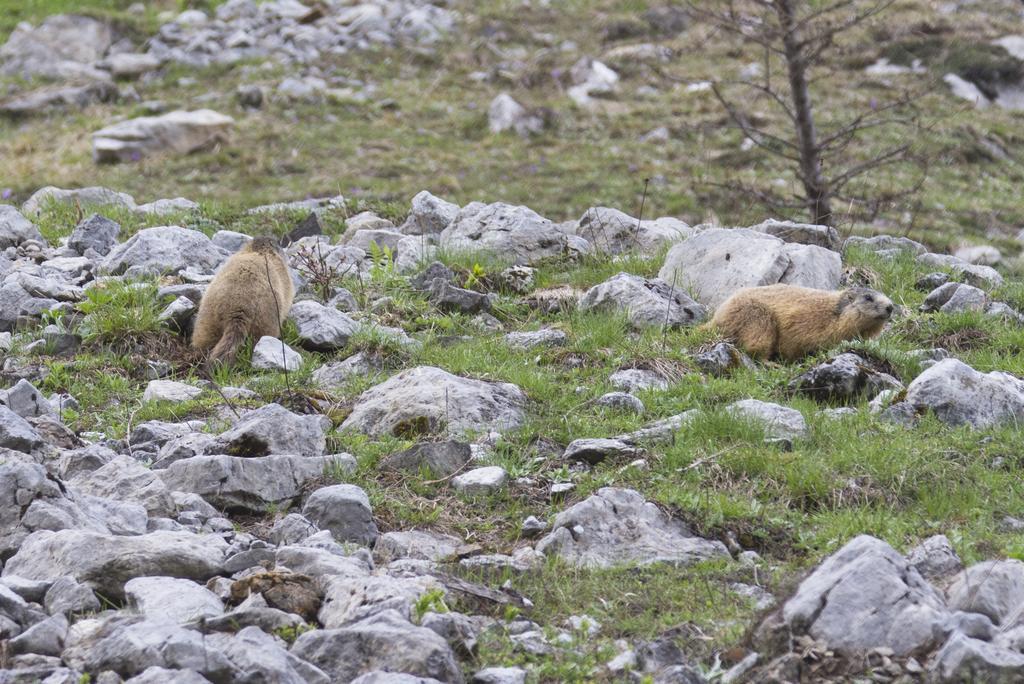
<point>846,297</point>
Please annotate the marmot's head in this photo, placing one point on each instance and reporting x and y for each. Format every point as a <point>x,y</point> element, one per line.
<point>263,244</point>
<point>869,307</point>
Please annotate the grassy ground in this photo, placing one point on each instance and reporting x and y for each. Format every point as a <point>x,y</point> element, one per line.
<point>425,126</point>
<point>850,476</point>
<point>426,129</point>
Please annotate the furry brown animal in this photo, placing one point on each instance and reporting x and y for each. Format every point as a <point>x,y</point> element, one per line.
<point>250,296</point>
<point>790,321</point>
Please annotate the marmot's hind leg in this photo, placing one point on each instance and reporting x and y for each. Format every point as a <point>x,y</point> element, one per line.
<point>759,335</point>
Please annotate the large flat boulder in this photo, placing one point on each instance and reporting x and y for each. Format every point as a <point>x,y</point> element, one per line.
<point>715,263</point>
<point>178,132</point>
<point>801,233</point>
<point>125,479</point>
<point>89,197</point>
<point>105,562</point>
<point>59,97</point>
<point>24,484</point>
<point>427,399</point>
<point>247,484</point>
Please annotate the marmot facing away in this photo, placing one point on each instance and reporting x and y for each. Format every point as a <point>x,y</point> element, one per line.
<point>790,321</point>
<point>250,296</point>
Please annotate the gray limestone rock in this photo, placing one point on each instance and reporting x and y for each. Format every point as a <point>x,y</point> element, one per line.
<point>618,527</point>
<point>250,483</point>
<point>322,328</point>
<point>385,641</point>
<point>426,399</point>
<point>162,250</point>
<point>611,231</point>
<point>958,395</point>
<point>514,232</point>
<point>481,481</point>
<point>170,599</point>
<point>105,562</point>
<point>646,302</point>
<point>864,596</point>
<point>430,215</point>
<point>273,429</point>
<point>344,510</point>
<point>178,132</point>
<point>270,353</point>
<point>97,233</point>
<point>16,229</point>
<point>441,459</point>
<point>715,263</point>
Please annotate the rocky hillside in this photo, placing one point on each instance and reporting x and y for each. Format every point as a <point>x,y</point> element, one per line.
<point>494,442</point>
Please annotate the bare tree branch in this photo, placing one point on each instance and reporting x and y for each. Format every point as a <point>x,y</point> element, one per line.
<point>801,32</point>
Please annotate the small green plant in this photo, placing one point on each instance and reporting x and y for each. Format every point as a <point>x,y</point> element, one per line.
<point>475,277</point>
<point>121,313</point>
<point>292,632</point>
<point>430,602</point>
<point>53,317</point>
<point>382,263</point>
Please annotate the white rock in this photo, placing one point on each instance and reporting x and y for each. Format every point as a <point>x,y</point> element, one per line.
<point>168,390</point>
<point>429,215</point>
<point>163,207</point>
<point>481,481</point>
<point>517,233</point>
<point>780,422</point>
<point>106,562</point>
<point>130,64</point>
<point>271,353</point>
<point>966,90</point>
<point>647,302</point>
<point>505,114</point>
<point>161,250</point>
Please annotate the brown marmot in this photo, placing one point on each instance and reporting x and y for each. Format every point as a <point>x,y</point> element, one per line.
<point>790,321</point>
<point>250,296</point>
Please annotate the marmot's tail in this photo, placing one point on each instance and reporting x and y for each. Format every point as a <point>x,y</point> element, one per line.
<point>225,351</point>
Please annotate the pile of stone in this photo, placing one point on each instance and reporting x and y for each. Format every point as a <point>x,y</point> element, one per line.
<point>291,31</point>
